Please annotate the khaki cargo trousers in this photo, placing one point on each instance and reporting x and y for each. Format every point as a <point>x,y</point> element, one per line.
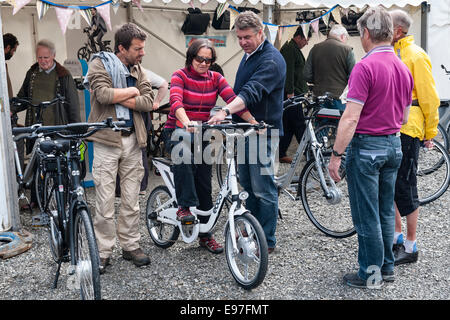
<point>127,162</point>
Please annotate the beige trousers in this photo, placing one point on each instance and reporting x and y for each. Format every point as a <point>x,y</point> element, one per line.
<point>127,162</point>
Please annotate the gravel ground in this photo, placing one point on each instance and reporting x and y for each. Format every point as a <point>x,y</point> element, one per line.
<point>307,265</point>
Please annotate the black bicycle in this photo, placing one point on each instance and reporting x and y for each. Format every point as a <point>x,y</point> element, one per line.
<point>65,212</point>
<point>85,52</point>
<point>30,176</point>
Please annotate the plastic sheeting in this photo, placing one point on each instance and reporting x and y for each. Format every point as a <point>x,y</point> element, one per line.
<point>439,44</point>
<point>311,3</point>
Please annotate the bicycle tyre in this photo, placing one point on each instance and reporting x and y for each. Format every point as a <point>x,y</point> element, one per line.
<point>83,54</point>
<point>155,228</point>
<point>39,185</point>
<point>252,247</point>
<point>439,174</point>
<point>49,203</point>
<point>332,217</point>
<point>87,257</point>
<point>328,130</point>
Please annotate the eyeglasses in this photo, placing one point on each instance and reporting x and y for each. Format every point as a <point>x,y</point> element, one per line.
<point>200,59</point>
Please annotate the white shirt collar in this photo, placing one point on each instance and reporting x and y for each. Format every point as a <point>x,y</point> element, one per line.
<point>49,70</point>
<point>248,55</point>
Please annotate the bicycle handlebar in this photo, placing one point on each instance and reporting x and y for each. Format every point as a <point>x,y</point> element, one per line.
<point>25,101</point>
<point>79,130</point>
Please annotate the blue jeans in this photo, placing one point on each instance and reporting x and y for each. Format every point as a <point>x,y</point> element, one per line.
<point>371,164</point>
<point>258,180</point>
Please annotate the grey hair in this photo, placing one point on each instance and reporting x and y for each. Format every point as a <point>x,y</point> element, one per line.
<point>337,31</point>
<point>379,24</point>
<point>402,19</point>
<point>249,19</point>
<point>48,44</point>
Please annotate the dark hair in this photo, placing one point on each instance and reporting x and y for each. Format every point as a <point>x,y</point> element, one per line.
<point>195,47</point>
<point>126,34</point>
<point>10,40</point>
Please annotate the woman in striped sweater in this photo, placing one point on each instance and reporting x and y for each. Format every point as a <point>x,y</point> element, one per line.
<point>193,93</point>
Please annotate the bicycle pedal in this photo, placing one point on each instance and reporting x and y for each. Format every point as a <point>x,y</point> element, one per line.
<point>40,220</point>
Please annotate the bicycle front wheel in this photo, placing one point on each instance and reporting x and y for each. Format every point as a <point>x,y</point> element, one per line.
<point>163,234</point>
<point>87,257</point>
<point>330,215</point>
<point>248,264</point>
<point>433,173</point>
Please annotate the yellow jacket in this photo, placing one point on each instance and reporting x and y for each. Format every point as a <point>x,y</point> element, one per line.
<point>424,118</point>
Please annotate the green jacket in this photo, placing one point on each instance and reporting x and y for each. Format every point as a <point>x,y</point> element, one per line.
<point>65,86</point>
<point>295,62</point>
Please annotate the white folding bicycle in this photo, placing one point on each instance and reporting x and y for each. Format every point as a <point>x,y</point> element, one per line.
<point>245,243</point>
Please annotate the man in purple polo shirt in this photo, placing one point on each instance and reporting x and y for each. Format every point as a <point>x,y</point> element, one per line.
<point>380,93</point>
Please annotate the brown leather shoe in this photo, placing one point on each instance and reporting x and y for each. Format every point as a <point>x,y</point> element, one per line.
<point>286,159</point>
<point>138,257</point>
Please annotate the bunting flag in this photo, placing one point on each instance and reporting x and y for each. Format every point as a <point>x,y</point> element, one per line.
<point>271,32</point>
<point>87,16</point>
<point>19,4</point>
<point>315,25</point>
<point>305,29</point>
<point>233,15</point>
<point>337,15</point>
<point>63,15</point>
<point>221,8</point>
<point>12,2</point>
<point>115,5</point>
<point>326,19</point>
<point>103,11</point>
<point>41,8</point>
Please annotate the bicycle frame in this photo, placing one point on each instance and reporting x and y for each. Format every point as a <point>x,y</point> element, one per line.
<point>309,139</point>
<point>169,216</point>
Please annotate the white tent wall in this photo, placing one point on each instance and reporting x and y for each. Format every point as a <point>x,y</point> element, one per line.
<point>165,22</point>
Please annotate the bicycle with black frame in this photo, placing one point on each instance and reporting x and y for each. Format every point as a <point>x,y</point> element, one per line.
<point>29,177</point>
<point>89,48</point>
<point>65,212</point>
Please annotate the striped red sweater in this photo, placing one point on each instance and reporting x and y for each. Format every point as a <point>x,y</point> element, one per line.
<point>196,93</point>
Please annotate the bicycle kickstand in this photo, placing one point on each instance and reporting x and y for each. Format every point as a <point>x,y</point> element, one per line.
<point>55,282</point>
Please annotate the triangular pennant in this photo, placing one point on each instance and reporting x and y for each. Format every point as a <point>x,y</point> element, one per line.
<point>326,19</point>
<point>41,8</point>
<point>87,16</point>
<point>19,4</point>
<point>221,8</point>
<point>315,25</point>
<point>115,5</point>
<point>12,2</point>
<point>138,4</point>
<point>233,15</point>
<point>305,29</point>
<point>63,15</point>
<point>271,32</point>
<point>103,11</point>
<point>278,38</point>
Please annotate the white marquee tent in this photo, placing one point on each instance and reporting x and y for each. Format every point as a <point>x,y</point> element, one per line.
<point>163,18</point>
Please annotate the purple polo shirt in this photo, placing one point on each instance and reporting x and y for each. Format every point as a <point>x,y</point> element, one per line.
<point>382,83</point>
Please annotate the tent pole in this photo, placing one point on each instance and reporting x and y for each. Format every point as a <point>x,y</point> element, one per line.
<point>425,8</point>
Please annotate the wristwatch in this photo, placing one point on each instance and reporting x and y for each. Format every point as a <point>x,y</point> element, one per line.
<point>336,154</point>
<point>227,111</point>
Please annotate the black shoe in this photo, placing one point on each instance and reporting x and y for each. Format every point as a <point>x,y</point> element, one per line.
<point>388,276</point>
<point>104,262</point>
<point>353,280</point>
<point>403,257</point>
<point>396,248</point>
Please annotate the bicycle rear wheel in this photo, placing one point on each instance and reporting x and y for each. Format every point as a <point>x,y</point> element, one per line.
<point>433,173</point>
<point>87,257</point>
<point>331,216</point>
<point>248,265</point>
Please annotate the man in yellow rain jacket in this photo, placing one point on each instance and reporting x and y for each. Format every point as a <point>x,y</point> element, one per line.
<point>422,125</point>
